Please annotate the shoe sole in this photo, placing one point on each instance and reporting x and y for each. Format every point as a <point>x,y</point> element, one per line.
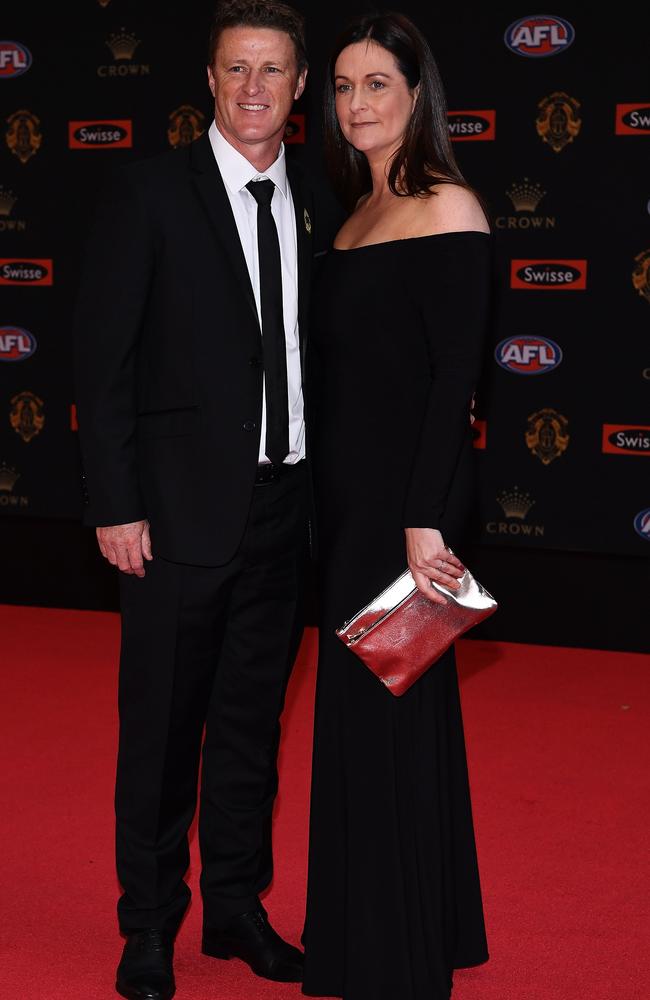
<point>129,995</point>
<point>226,952</point>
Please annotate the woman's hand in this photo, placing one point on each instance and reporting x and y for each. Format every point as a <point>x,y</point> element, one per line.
<point>428,560</point>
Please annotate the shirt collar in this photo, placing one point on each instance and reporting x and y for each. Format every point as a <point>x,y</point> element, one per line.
<point>237,171</point>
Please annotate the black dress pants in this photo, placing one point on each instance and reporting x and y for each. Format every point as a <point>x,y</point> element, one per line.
<point>207,647</point>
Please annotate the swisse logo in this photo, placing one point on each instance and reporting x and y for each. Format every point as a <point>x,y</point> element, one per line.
<point>528,355</point>
<point>25,272</point>
<point>471,125</point>
<point>539,35</point>
<point>626,439</point>
<point>16,344</point>
<point>633,119</point>
<point>101,134</point>
<point>15,59</point>
<point>549,275</point>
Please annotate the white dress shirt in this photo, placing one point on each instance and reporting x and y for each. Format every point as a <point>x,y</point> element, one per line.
<point>236,172</point>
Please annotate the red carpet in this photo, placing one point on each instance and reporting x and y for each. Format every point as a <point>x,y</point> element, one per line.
<point>557,747</point>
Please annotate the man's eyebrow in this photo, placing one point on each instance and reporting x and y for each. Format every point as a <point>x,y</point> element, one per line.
<point>245,62</point>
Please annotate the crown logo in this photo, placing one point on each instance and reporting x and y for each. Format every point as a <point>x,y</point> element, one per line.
<point>122,44</point>
<point>515,502</point>
<point>7,201</point>
<point>525,197</point>
<point>8,478</point>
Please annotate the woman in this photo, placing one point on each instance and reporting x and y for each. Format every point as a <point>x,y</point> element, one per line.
<point>394,900</point>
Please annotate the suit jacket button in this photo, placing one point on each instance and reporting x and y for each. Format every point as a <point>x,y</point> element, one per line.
<point>249,425</point>
<point>255,362</point>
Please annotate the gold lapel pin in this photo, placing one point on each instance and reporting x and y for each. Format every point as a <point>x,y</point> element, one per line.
<point>307,222</point>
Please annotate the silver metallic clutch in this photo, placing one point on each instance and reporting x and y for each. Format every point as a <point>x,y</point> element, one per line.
<point>400,634</point>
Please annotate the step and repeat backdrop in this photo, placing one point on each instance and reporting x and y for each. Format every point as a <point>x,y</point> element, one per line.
<point>550,117</point>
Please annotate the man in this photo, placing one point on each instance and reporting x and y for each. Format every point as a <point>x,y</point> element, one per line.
<point>190,333</point>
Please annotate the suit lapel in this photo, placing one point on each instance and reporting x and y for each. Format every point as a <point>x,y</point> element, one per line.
<point>303,209</point>
<point>214,198</point>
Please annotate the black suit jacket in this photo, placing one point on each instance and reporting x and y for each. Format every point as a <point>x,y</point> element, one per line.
<point>168,355</point>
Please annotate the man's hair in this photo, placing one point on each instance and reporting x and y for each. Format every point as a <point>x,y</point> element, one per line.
<point>259,14</point>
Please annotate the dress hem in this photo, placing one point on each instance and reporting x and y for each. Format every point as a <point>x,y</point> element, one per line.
<point>460,964</point>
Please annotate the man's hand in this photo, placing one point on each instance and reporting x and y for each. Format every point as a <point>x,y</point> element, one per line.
<point>428,560</point>
<point>125,545</point>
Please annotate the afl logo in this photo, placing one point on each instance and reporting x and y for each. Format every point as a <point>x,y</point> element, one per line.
<point>528,355</point>
<point>539,35</point>
<point>15,60</point>
<point>642,524</point>
<point>25,272</point>
<point>100,134</point>
<point>16,344</point>
<point>549,275</point>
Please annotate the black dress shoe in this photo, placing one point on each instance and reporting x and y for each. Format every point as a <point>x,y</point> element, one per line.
<point>250,937</point>
<point>145,971</point>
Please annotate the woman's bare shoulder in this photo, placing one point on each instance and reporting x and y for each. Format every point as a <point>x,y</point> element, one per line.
<point>451,209</point>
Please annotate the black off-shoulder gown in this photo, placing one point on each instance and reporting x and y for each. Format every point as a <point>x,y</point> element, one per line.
<point>394,899</point>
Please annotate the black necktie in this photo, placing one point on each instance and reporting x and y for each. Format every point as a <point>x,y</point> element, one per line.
<point>273,339</point>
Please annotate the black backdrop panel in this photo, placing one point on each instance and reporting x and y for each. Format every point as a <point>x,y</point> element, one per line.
<point>552,123</point>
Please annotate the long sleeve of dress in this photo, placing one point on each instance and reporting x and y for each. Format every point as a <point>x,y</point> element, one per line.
<point>455,322</point>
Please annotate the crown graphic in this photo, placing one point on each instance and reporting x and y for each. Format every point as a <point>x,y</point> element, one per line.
<point>526,196</point>
<point>8,478</point>
<point>122,44</point>
<point>515,502</point>
<point>7,201</point>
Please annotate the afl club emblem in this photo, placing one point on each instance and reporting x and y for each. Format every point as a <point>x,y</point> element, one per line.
<point>26,415</point>
<point>547,435</point>
<point>641,274</point>
<point>23,135</point>
<point>557,122</point>
<point>185,125</point>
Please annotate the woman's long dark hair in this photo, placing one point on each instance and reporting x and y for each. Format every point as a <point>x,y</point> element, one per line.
<point>426,149</point>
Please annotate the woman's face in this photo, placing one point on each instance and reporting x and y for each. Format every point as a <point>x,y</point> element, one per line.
<point>373,100</point>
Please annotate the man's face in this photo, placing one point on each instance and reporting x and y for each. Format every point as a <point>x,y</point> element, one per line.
<point>254,82</point>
